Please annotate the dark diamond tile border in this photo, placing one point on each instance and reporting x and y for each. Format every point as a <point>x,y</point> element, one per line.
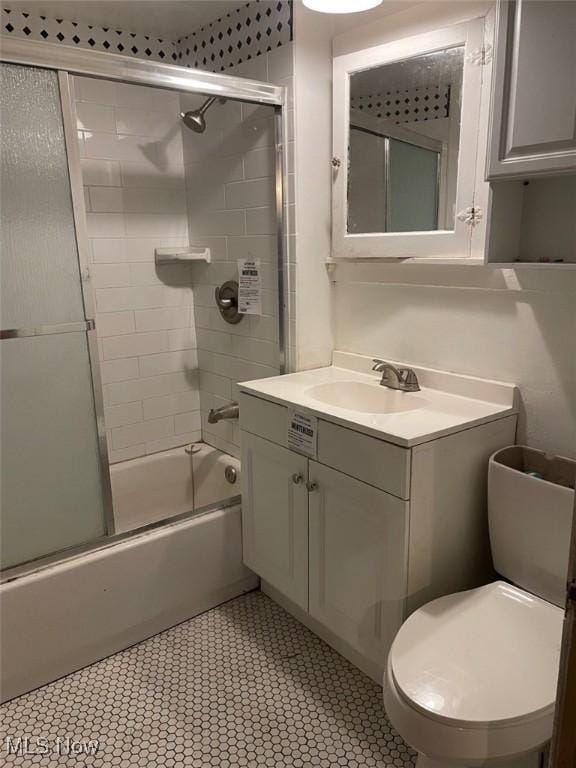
<point>251,30</point>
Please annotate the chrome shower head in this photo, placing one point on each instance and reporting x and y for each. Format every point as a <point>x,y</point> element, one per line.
<point>194,119</point>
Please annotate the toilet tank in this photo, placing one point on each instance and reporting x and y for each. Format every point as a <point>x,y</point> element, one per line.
<point>530,509</point>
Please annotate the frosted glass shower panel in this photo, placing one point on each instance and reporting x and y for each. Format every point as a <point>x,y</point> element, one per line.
<point>39,259</point>
<point>51,489</point>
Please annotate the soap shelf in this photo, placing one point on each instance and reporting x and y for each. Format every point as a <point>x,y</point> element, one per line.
<point>184,255</point>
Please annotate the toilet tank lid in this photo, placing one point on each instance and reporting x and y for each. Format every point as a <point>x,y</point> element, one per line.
<point>480,657</point>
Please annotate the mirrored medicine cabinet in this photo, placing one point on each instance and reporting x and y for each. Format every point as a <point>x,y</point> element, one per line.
<point>407,116</point>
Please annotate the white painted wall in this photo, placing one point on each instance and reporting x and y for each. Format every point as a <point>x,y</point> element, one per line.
<point>133,172</point>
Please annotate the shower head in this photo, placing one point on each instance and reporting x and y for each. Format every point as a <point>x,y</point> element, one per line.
<point>194,119</point>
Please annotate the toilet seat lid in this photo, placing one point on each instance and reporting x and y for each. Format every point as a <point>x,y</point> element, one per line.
<point>483,656</point>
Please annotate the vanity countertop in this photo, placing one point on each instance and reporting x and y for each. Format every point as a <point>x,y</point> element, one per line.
<point>446,403</point>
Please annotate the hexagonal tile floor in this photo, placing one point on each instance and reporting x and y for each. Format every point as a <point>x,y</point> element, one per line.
<point>244,684</point>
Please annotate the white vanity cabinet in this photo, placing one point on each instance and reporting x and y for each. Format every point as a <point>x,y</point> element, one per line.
<point>275,517</point>
<point>355,538</point>
<point>533,127</point>
<point>357,560</point>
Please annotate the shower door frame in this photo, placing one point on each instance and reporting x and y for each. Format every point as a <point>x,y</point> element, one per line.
<point>66,62</point>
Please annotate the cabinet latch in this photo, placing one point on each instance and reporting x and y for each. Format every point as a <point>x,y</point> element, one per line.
<point>472,215</point>
<point>480,56</point>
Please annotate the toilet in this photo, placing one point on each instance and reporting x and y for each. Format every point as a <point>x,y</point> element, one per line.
<point>471,677</point>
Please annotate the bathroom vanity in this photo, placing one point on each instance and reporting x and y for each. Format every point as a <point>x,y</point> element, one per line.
<point>361,503</point>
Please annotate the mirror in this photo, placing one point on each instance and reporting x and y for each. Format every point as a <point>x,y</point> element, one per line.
<point>404,121</point>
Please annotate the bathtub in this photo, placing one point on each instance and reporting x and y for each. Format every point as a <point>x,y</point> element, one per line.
<point>171,483</point>
<point>68,615</point>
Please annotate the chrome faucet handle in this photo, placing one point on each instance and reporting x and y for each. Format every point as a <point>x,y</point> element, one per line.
<point>378,364</point>
<point>409,380</point>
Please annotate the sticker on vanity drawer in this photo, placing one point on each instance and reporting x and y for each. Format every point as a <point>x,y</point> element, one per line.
<point>302,433</point>
<point>249,287</point>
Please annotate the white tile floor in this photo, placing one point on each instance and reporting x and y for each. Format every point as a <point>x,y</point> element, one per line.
<point>242,685</point>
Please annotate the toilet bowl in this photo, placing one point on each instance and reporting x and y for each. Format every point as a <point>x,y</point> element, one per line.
<point>471,677</point>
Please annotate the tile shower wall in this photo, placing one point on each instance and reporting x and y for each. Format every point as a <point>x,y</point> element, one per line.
<point>230,182</point>
<point>133,173</point>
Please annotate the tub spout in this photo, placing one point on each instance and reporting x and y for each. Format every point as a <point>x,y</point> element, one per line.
<point>225,412</point>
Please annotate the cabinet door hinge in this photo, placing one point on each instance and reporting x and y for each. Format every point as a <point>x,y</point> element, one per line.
<point>480,56</point>
<point>471,215</point>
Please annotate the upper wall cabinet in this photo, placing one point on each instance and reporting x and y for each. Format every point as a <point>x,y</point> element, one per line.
<point>533,126</point>
<point>407,118</point>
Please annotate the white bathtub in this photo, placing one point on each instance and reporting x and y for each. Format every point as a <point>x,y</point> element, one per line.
<point>169,484</point>
<point>71,614</point>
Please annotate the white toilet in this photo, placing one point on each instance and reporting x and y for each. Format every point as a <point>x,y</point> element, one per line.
<point>471,677</point>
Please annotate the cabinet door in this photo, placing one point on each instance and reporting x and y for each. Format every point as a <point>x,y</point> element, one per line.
<point>275,516</point>
<point>358,554</point>
<point>534,91</point>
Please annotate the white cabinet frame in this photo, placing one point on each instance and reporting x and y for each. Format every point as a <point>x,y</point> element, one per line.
<point>456,243</point>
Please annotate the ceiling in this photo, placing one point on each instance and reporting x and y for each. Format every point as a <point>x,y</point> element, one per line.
<point>167,19</point>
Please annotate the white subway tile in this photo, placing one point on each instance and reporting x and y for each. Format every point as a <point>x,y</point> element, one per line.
<point>93,89</point>
<point>163,319</point>
<point>159,226</point>
<point>110,275</point>
<point>167,405</point>
<point>125,454</point>
<point>95,117</point>
<point>263,247</point>
<point>105,224</point>
<point>122,415</point>
<point>182,338</point>
<point>101,173</point>
<point>103,146</point>
<point>218,223</point>
<point>259,163</point>
<point>145,122</point>
<point>154,201</point>
<point>168,362</point>
<point>119,370</point>
<point>173,442</point>
<point>215,385</point>
<point>255,350</point>
<point>141,389</point>
<point>135,345</point>
<point>155,429</point>
<point>108,250</point>
<point>261,221</point>
<point>117,299</point>
<point>146,98</point>
<point>250,194</point>
<point>142,149</point>
<point>214,341</point>
<point>145,175</point>
<point>114,323</point>
<point>187,422</point>
<point>123,437</point>
<point>106,199</point>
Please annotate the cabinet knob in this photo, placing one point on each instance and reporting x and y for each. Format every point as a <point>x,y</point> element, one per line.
<point>313,486</point>
<point>297,478</point>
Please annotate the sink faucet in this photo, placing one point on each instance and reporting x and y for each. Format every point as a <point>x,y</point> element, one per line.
<point>404,379</point>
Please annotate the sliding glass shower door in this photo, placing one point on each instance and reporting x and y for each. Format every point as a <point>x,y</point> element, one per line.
<point>54,488</point>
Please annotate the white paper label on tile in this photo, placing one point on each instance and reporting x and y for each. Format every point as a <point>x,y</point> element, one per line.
<point>302,433</point>
<point>249,287</point>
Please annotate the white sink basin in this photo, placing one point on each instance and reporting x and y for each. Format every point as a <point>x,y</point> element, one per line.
<point>365,398</point>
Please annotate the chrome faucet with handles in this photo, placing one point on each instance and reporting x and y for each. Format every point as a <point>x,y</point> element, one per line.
<point>403,379</point>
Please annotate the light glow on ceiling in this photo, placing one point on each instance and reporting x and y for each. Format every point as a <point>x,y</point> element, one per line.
<point>341,6</point>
